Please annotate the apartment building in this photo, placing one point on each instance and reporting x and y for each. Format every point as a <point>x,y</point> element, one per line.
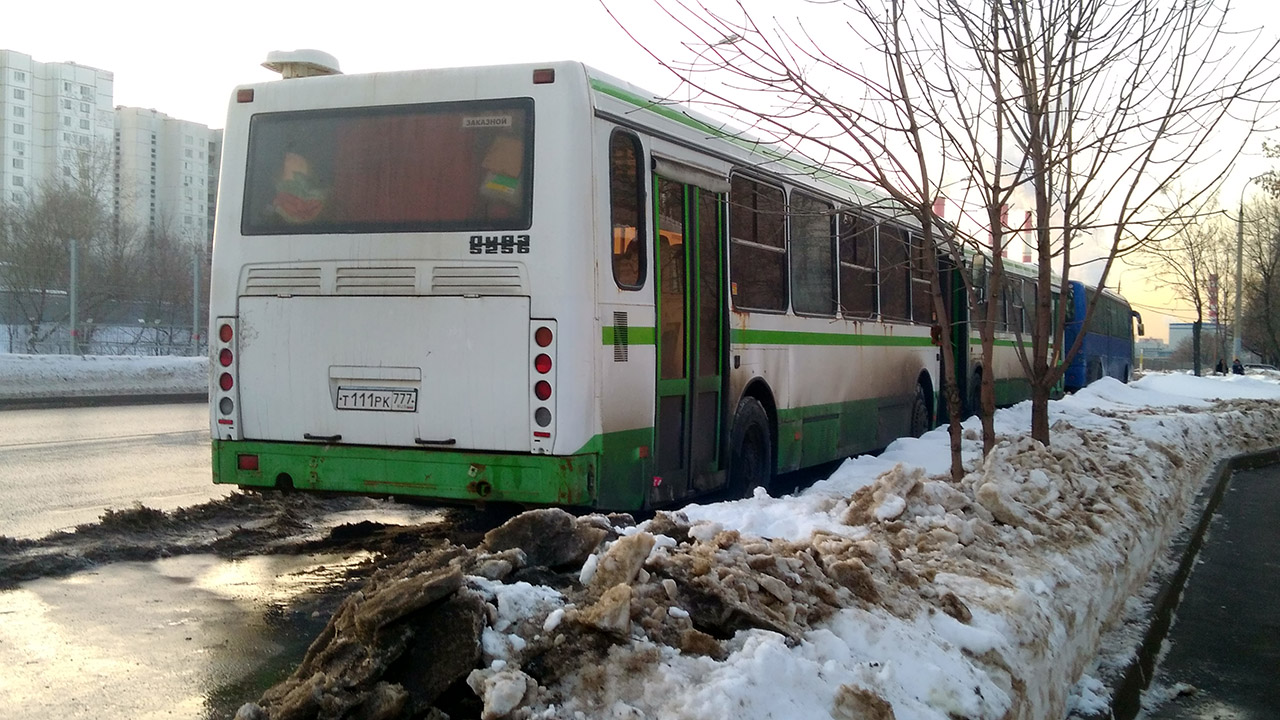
<point>166,172</point>
<point>57,122</point>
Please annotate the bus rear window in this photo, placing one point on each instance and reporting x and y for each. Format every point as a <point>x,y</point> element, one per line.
<point>402,168</point>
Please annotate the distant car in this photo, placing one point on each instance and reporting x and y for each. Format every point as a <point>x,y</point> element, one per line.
<point>1260,366</point>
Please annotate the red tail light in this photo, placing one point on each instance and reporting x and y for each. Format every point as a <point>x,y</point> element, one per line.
<point>542,363</point>
<point>224,358</point>
<point>225,382</point>
<point>542,336</point>
<point>542,389</point>
<point>224,333</point>
<point>247,462</point>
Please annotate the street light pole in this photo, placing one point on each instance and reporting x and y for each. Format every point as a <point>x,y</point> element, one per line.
<point>72,299</point>
<point>1236,328</point>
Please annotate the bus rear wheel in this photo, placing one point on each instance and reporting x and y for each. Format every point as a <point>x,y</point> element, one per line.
<point>750,449</point>
<point>919,413</point>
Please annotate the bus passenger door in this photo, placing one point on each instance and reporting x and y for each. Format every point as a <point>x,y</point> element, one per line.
<point>691,349</point>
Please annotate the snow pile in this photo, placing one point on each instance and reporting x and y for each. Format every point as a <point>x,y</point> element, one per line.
<point>25,377</point>
<point>885,591</point>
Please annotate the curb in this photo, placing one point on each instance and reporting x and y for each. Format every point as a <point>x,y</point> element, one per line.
<point>1127,689</point>
<point>36,403</point>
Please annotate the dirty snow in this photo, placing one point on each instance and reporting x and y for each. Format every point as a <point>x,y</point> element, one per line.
<point>983,599</point>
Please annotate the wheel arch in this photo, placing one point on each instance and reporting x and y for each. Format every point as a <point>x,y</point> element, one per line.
<point>925,381</point>
<point>759,389</point>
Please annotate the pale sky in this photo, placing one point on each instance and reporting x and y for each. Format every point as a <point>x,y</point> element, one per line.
<point>184,58</point>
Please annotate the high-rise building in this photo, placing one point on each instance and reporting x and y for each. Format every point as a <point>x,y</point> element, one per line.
<point>166,172</point>
<point>56,124</point>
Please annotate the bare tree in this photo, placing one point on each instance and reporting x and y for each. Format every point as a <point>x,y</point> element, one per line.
<point>165,258</point>
<point>1080,109</point>
<point>36,234</point>
<point>1192,262</point>
<point>1261,320</point>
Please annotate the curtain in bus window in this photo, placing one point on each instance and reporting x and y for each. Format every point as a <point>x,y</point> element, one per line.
<point>457,166</point>
<point>757,246</point>
<point>857,266</point>
<point>895,274</point>
<point>405,169</point>
<point>812,256</point>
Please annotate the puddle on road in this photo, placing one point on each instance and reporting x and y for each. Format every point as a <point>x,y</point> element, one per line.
<point>191,637</point>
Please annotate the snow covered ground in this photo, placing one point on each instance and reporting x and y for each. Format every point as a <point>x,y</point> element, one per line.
<point>28,377</point>
<point>894,593</point>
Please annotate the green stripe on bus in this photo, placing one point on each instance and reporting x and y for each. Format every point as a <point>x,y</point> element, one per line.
<point>646,336</point>
<point>977,341</point>
<point>788,337</point>
<point>636,335</point>
<point>441,474</point>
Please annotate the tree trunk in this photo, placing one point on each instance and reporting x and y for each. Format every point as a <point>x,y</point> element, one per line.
<point>1040,412</point>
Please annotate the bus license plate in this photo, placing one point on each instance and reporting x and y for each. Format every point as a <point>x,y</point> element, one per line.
<point>379,399</point>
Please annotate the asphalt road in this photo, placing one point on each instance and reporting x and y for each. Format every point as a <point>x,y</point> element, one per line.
<point>60,467</point>
<point>1224,646</point>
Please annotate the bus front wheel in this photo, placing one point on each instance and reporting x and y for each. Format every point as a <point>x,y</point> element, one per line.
<point>750,449</point>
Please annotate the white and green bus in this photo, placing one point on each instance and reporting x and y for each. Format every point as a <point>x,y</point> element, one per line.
<point>538,284</point>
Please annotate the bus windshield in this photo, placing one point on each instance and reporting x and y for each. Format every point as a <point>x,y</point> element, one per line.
<point>401,168</point>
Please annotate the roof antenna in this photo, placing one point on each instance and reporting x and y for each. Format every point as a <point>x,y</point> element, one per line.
<point>301,63</point>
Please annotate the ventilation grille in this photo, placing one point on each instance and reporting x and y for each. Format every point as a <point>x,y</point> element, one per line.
<point>487,280</point>
<point>283,281</point>
<point>621,339</point>
<point>376,281</point>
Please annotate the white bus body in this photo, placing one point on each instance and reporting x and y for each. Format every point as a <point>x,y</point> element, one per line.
<point>421,286</point>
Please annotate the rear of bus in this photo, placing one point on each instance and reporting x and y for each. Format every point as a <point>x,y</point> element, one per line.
<point>402,286</point>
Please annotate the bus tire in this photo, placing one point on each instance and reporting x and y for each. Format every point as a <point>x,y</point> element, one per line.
<point>919,413</point>
<point>750,449</point>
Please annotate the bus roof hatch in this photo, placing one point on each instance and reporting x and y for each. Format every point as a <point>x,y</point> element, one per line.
<point>301,63</point>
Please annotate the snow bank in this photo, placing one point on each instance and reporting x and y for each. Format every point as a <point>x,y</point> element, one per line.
<point>29,377</point>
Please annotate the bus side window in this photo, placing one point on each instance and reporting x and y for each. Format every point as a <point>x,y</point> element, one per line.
<point>813,284</point>
<point>626,219</point>
<point>858,284</point>
<point>895,273</point>
<point>757,246</point>
<point>921,285</point>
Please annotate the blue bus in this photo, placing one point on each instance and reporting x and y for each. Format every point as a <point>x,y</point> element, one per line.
<point>1107,348</point>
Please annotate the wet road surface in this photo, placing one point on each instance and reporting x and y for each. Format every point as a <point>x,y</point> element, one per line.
<point>61,467</point>
<point>187,637</point>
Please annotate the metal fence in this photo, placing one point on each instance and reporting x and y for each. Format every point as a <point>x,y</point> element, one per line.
<point>107,340</point>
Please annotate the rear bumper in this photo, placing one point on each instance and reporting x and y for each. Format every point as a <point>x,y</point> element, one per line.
<point>443,475</point>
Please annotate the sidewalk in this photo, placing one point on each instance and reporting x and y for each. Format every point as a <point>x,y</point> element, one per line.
<point>1216,622</point>
<point>1225,641</point>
